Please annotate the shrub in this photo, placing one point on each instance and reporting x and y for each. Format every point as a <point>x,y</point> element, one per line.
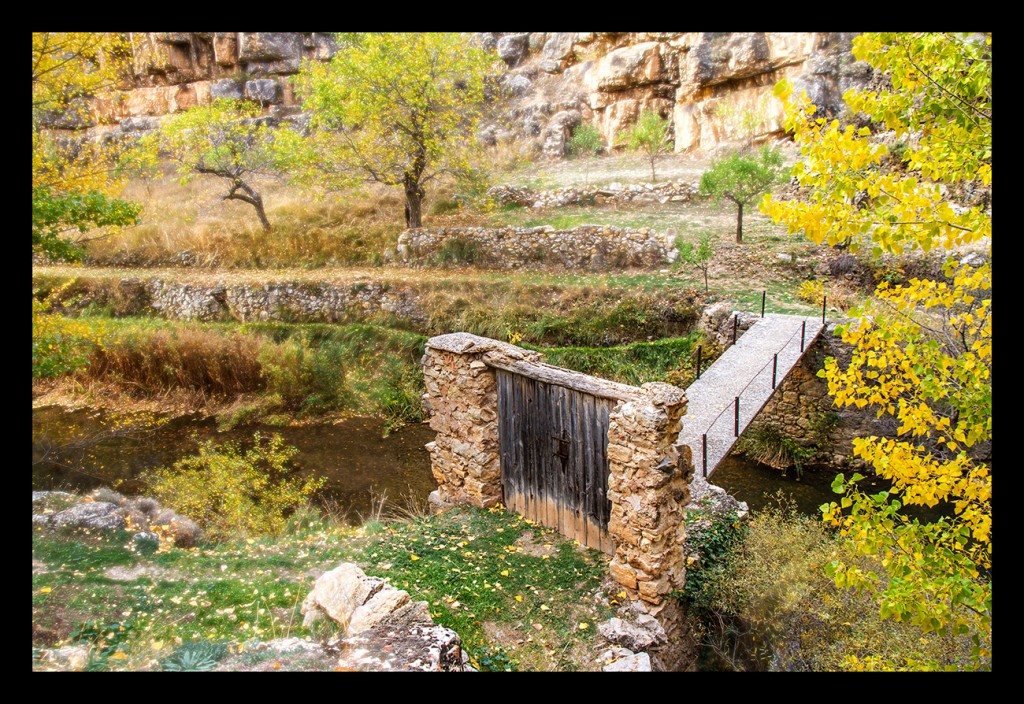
<point>307,378</point>
<point>776,590</point>
<point>233,492</point>
<point>157,361</point>
<point>811,291</point>
<point>768,445</point>
<point>586,140</point>
<point>60,345</point>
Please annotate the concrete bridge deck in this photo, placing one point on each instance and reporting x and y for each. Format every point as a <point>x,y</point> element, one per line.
<point>744,370</point>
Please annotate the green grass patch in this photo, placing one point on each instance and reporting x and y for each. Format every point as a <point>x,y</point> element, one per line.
<point>482,572</point>
<point>635,363</point>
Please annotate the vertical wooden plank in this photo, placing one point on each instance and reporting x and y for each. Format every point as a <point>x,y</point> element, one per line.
<point>601,447</point>
<point>593,422</point>
<point>504,460</point>
<point>556,462</point>
<point>578,468</point>
<point>557,418</point>
<point>527,454</point>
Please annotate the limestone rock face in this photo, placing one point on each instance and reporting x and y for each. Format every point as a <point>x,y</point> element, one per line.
<point>715,87</point>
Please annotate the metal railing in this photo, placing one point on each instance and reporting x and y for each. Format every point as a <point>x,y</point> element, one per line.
<point>735,404</point>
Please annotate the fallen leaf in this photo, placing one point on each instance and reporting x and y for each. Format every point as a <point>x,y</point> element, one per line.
<point>584,626</point>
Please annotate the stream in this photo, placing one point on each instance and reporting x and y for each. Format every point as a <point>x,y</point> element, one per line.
<point>360,465</point>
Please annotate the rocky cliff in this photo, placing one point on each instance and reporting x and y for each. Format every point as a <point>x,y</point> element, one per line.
<point>716,87</point>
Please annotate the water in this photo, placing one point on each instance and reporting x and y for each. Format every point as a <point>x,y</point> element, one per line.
<point>359,464</point>
<point>758,485</point>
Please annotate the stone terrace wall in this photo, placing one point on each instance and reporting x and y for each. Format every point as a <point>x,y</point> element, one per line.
<point>591,247</point>
<point>248,302</point>
<point>670,191</point>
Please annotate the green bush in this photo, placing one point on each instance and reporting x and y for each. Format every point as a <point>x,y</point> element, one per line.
<point>233,492</point>
<point>775,592</point>
<point>586,140</point>
<point>307,378</point>
<point>769,445</point>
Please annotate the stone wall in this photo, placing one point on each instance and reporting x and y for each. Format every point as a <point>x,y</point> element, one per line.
<point>670,191</point>
<point>247,302</point>
<point>648,489</point>
<point>593,247</point>
<point>648,480</point>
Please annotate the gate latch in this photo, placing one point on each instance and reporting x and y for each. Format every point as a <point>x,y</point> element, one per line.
<point>561,445</point>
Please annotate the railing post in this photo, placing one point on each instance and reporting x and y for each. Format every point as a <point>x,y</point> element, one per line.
<point>823,299</point>
<point>735,319</point>
<point>775,368</point>
<point>737,428</point>
<point>803,331</point>
<point>764,294</point>
<point>699,348</point>
<point>704,453</point>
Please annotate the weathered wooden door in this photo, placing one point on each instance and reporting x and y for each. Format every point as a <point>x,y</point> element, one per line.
<point>554,456</point>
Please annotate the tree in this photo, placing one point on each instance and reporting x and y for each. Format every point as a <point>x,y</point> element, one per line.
<point>393,108</point>
<point>699,257</point>
<point>742,177</point>
<point>72,185</point>
<point>922,351</point>
<point>650,136</point>
<point>225,139</point>
<point>586,142</point>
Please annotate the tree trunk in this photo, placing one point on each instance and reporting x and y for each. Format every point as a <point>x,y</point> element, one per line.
<point>250,196</point>
<point>739,222</point>
<point>258,204</point>
<point>705,279</point>
<point>654,178</point>
<point>413,204</point>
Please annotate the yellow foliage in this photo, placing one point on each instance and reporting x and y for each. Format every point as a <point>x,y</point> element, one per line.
<point>921,351</point>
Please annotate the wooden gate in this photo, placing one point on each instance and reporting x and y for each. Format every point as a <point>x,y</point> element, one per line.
<point>554,456</point>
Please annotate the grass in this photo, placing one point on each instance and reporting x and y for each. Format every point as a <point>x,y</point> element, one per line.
<point>635,364</point>
<point>481,572</point>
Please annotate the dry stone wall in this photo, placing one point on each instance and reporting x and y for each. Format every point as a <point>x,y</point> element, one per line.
<point>671,191</point>
<point>594,247</point>
<point>279,301</point>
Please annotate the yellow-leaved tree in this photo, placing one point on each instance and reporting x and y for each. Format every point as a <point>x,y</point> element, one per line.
<point>72,177</point>
<point>921,351</point>
<point>72,183</point>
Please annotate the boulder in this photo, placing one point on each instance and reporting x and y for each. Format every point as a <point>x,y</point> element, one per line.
<point>558,46</point>
<point>338,593</point>
<point>89,514</point>
<point>640,662</point>
<point>512,48</point>
<point>517,84</point>
<point>377,609</point>
<point>628,67</point>
<point>420,648</point>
